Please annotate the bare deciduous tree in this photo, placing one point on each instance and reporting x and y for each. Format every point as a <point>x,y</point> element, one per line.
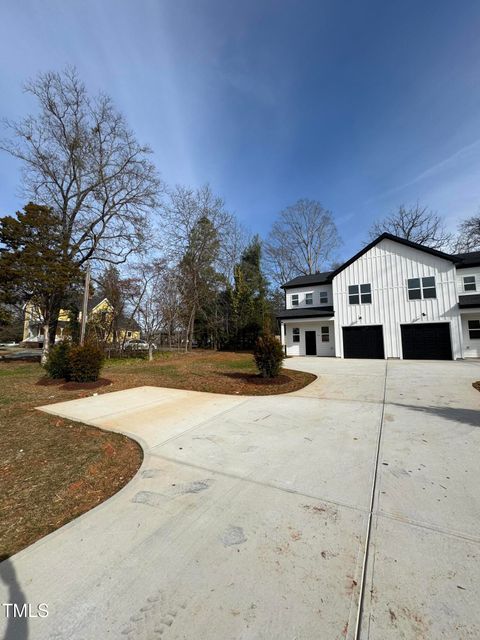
<point>302,241</point>
<point>197,228</point>
<point>146,300</point>
<point>469,235</point>
<point>417,224</point>
<point>81,160</point>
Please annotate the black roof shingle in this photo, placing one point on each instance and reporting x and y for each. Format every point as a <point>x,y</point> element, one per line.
<point>469,301</point>
<point>471,259</point>
<point>314,278</point>
<point>314,312</point>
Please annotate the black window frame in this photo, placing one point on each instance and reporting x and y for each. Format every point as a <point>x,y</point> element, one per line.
<point>325,334</point>
<point>470,286</point>
<point>366,294</point>
<point>421,288</point>
<point>296,334</point>
<point>359,293</point>
<point>475,330</point>
<point>353,294</point>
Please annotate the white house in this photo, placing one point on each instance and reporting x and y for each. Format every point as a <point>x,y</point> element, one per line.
<point>393,299</point>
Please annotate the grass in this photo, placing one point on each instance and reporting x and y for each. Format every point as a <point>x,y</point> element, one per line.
<point>53,470</point>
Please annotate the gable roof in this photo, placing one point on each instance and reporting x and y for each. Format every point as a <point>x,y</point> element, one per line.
<point>461,260</point>
<point>404,241</point>
<point>314,278</point>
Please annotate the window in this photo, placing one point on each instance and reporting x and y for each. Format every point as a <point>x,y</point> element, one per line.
<point>353,297</point>
<point>296,335</point>
<point>325,334</point>
<point>309,298</point>
<point>129,334</point>
<point>469,283</point>
<point>323,297</point>
<point>428,287</point>
<point>294,299</point>
<point>365,293</point>
<point>360,293</point>
<point>419,288</point>
<point>474,329</point>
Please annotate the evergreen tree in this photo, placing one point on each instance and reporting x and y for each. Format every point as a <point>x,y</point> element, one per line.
<point>34,267</point>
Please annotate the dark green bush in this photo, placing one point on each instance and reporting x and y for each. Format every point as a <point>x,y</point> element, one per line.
<point>268,354</point>
<point>86,362</point>
<point>58,362</point>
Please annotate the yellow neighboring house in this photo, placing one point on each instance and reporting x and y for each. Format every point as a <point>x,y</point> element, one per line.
<point>100,321</point>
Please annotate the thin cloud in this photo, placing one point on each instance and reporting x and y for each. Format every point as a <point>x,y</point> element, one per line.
<point>428,173</point>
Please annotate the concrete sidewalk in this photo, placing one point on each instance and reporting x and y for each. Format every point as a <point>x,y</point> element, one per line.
<point>248,516</point>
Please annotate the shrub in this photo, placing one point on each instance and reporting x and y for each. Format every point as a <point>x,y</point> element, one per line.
<point>85,362</point>
<point>268,354</point>
<point>58,362</point>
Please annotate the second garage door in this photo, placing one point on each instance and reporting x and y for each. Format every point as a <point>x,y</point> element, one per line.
<point>429,341</point>
<point>363,342</point>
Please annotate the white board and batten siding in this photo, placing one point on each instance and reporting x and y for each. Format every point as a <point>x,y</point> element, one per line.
<point>469,271</point>
<point>386,267</point>
<point>298,348</point>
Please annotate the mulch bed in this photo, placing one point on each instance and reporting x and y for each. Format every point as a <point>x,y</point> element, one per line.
<point>257,379</point>
<point>476,385</point>
<point>73,386</point>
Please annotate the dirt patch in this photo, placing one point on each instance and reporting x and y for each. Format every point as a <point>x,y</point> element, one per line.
<point>476,385</point>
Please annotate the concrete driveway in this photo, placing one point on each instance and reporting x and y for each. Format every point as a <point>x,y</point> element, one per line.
<point>249,516</point>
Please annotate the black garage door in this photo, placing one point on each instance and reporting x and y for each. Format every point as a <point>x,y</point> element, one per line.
<point>363,342</point>
<point>429,341</point>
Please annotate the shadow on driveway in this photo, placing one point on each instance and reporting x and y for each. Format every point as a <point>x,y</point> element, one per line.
<point>17,628</point>
<point>470,417</point>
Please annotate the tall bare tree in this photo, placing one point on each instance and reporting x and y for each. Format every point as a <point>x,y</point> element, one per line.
<point>196,228</point>
<point>469,235</point>
<point>302,241</point>
<point>417,224</point>
<point>148,304</point>
<point>81,160</point>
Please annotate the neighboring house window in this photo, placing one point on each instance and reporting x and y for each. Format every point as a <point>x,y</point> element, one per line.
<point>474,329</point>
<point>129,334</point>
<point>469,283</point>
<point>325,334</point>
<point>323,297</point>
<point>296,335</point>
<point>419,288</point>
<point>360,293</point>
<point>309,298</point>
<point>294,299</point>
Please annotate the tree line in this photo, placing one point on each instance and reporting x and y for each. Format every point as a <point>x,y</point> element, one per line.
<point>172,258</point>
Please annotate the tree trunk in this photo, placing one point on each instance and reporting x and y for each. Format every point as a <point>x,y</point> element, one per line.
<point>46,343</point>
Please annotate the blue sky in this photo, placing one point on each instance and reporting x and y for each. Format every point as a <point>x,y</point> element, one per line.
<point>361,105</point>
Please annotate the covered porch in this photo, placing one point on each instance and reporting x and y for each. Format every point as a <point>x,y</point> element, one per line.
<point>308,336</point>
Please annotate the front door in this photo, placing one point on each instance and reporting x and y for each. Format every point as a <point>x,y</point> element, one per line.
<point>310,343</point>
